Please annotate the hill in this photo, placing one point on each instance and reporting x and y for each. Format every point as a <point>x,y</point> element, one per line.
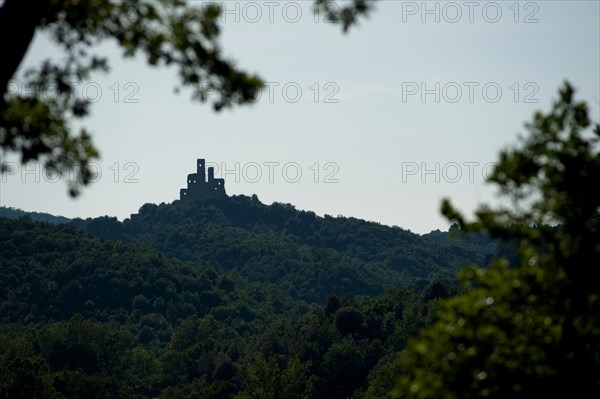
<point>307,256</point>
<point>54,272</point>
<point>84,316</point>
<point>15,213</point>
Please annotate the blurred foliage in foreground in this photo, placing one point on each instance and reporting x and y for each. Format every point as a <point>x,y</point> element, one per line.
<point>530,329</point>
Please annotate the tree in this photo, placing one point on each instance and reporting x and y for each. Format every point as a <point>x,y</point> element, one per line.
<point>530,328</point>
<point>26,378</point>
<point>265,379</point>
<point>343,369</point>
<point>349,320</point>
<point>168,32</point>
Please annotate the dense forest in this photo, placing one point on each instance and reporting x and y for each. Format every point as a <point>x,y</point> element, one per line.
<point>216,299</point>
<point>305,255</point>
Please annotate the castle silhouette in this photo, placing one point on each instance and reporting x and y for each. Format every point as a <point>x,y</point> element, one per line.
<point>199,187</point>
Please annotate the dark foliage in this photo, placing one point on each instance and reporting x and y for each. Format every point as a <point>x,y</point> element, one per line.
<point>88,317</point>
<point>305,255</point>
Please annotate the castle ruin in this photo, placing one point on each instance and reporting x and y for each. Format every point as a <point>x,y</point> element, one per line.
<point>199,187</point>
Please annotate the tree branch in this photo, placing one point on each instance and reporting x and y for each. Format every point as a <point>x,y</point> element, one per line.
<point>18,22</point>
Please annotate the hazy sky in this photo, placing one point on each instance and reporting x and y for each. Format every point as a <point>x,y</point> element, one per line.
<point>382,123</point>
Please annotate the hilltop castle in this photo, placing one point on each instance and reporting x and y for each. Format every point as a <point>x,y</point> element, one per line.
<point>199,187</point>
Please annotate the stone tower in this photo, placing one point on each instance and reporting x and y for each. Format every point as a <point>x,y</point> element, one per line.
<point>199,187</point>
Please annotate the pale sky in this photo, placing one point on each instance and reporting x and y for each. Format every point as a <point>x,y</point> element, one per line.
<point>355,114</point>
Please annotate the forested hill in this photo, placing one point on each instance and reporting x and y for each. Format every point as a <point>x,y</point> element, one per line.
<point>15,213</point>
<point>83,316</point>
<point>160,306</point>
<point>49,273</point>
<point>306,255</point>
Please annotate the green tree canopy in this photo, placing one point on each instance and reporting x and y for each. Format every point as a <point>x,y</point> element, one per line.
<point>531,328</point>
